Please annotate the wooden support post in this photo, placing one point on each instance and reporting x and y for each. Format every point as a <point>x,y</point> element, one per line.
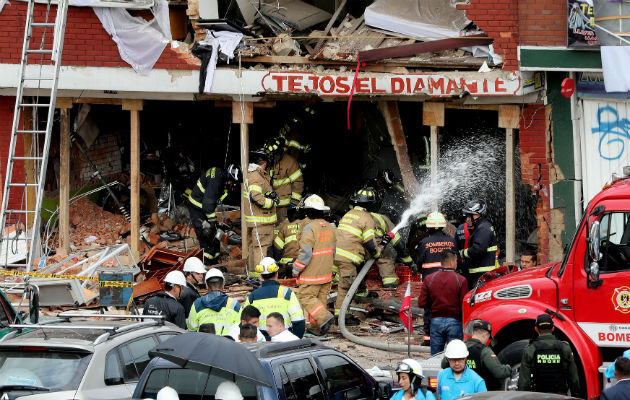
<point>243,114</point>
<point>64,177</point>
<point>509,119</point>
<point>29,165</point>
<point>433,116</point>
<point>135,106</point>
<point>389,109</point>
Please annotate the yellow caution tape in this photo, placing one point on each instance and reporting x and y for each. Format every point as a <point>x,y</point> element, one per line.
<point>53,276</point>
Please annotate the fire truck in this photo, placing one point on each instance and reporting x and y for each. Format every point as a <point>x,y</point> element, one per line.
<point>587,294</point>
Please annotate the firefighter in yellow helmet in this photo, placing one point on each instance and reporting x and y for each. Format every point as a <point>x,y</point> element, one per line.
<point>313,267</point>
<point>385,263</point>
<point>355,243</point>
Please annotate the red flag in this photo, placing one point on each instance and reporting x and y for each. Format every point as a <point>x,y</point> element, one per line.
<point>405,314</point>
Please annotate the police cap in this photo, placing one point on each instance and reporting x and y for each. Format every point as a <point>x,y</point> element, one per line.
<point>481,324</point>
<point>544,321</point>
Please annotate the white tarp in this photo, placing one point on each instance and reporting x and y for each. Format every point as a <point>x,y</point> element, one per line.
<point>605,143</point>
<point>140,43</point>
<point>221,41</point>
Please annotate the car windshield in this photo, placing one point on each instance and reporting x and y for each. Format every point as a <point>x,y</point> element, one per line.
<point>52,370</point>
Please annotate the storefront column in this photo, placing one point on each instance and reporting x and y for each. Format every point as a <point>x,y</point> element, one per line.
<point>243,114</point>
<point>433,116</point>
<point>65,104</point>
<point>134,106</point>
<point>509,119</point>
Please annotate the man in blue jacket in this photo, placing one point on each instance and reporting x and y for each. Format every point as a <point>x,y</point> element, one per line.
<point>458,380</point>
<point>621,391</point>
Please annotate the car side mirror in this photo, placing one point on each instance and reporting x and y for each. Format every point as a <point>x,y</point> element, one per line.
<point>118,380</point>
<point>384,390</point>
<point>593,275</point>
<point>594,242</point>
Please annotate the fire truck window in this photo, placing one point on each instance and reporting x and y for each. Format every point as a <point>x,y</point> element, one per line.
<point>615,242</point>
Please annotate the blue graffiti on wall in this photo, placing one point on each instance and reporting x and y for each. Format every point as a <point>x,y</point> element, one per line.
<point>613,130</point>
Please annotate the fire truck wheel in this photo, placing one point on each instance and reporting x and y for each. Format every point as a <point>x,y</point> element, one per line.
<point>512,355</point>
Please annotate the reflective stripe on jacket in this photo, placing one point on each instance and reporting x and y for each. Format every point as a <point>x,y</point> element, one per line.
<point>355,230</point>
<point>272,297</point>
<point>223,319</point>
<point>206,193</point>
<point>286,241</point>
<point>263,211</point>
<point>317,252</point>
<point>287,180</point>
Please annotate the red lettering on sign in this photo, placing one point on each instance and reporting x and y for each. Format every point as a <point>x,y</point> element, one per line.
<point>398,85</point>
<point>331,84</point>
<point>408,85</point>
<point>279,82</point>
<point>363,85</point>
<point>295,83</point>
<point>601,336</point>
<point>610,337</point>
<point>452,85</point>
<point>437,85</point>
<point>315,81</point>
<point>342,86</point>
<point>471,87</point>
<point>485,86</point>
<point>374,89</point>
<point>498,86</point>
<point>419,87</point>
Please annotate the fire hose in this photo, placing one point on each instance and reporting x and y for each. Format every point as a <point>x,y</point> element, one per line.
<point>366,342</point>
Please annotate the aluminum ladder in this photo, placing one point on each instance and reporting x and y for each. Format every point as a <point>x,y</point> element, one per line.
<point>25,172</point>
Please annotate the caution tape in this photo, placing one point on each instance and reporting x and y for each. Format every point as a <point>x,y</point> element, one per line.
<point>61,276</point>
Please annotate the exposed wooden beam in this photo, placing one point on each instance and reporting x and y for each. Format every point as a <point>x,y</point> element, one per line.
<point>509,117</point>
<point>258,104</point>
<point>243,114</point>
<point>134,107</point>
<point>320,42</point>
<point>433,116</point>
<point>64,178</point>
<point>422,47</point>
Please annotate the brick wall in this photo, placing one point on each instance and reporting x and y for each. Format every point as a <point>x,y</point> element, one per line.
<point>499,20</point>
<point>105,154</point>
<point>542,22</point>
<point>6,121</point>
<point>86,42</point>
<point>535,163</point>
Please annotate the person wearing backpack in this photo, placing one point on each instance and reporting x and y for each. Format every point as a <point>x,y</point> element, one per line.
<point>444,291</point>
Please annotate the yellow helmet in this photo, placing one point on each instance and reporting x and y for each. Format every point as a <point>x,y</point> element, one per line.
<point>436,220</point>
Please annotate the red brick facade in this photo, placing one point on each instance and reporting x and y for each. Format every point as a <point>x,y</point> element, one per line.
<point>535,163</point>
<point>6,122</point>
<point>86,42</point>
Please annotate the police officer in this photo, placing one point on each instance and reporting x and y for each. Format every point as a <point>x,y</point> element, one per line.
<point>429,251</point>
<point>272,297</point>
<point>211,189</point>
<point>548,364</point>
<point>165,303</point>
<point>215,307</point>
<point>355,243</point>
<point>481,253</point>
<point>194,271</point>
<point>482,359</point>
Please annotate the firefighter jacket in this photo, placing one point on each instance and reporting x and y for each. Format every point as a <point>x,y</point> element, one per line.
<point>481,253</point>
<point>273,297</point>
<point>355,237</point>
<point>548,366</point>
<point>263,210</point>
<point>285,245</point>
<point>431,248</point>
<point>484,362</point>
<point>317,253</point>
<point>166,305</point>
<point>384,225</point>
<point>209,191</point>
<point>188,297</point>
<point>287,180</point>
<point>215,307</point>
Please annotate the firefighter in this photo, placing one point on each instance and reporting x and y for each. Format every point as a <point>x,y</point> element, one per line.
<point>215,307</point>
<point>286,177</point>
<point>548,364</point>
<point>355,244</point>
<point>285,245</point>
<point>260,209</point>
<point>194,271</point>
<point>165,303</point>
<point>428,260</point>
<point>211,189</point>
<point>482,359</point>
<point>385,262</point>
<point>271,297</point>
<point>313,267</point>
<point>481,253</point>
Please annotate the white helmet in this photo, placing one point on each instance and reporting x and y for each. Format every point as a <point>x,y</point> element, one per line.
<point>193,264</point>
<point>410,366</point>
<point>175,278</point>
<point>436,220</point>
<point>315,202</point>
<point>267,266</point>
<point>167,393</point>
<point>456,349</point>
<point>214,273</point>
<point>228,391</point>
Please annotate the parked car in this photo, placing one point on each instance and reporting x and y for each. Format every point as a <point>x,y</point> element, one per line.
<point>301,369</point>
<point>78,358</point>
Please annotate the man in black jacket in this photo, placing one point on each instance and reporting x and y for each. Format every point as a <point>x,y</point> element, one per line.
<point>165,303</point>
<point>194,271</point>
<point>481,254</point>
<point>210,190</point>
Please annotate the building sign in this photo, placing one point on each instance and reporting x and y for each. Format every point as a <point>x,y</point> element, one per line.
<point>580,24</point>
<point>434,85</point>
<point>607,334</point>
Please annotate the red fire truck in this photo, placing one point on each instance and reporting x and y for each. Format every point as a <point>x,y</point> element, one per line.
<point>587,294</point>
